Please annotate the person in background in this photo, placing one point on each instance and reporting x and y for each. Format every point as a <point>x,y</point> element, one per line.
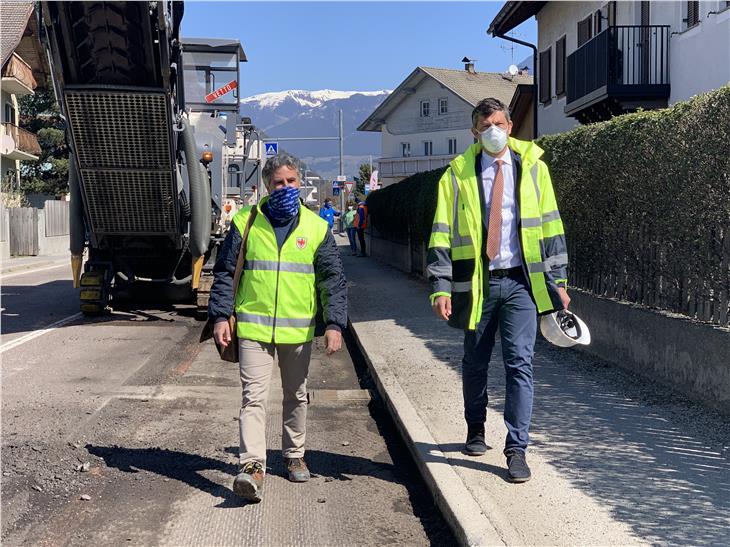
<point>328,213</point>
<point>292,288</point>
<point>361,222</point>
<point>350,226</point>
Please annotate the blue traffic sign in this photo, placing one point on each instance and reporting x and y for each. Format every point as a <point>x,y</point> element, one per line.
<point>336,191</point>
<point>272,148</point>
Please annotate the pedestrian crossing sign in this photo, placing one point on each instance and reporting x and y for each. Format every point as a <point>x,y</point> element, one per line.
<point>272,148</point>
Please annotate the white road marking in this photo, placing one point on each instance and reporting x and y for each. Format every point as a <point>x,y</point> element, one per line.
<point>26,272</point>
<point>35,334</point>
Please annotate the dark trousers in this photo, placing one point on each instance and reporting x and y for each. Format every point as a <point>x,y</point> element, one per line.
<point>509,307</point>
<point>361,237</point>
<point>351,237</point>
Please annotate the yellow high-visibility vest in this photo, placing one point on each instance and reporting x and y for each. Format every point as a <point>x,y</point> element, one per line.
<point>276,300</point>
<point>457,236</point>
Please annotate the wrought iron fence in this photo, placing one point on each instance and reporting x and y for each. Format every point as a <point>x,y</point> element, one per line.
<point>624,55</point>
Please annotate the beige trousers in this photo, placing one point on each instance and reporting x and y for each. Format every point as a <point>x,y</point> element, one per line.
<point>256,360</point>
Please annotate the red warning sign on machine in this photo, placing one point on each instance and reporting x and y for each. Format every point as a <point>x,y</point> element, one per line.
<point>230,86</point>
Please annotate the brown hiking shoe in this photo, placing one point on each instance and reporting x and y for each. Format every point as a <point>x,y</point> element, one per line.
<point>249,482</point>
<point>297,469</point>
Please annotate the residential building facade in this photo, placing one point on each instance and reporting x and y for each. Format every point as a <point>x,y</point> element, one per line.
<point>16,144</point>
<point>596,60</point>
<point>426,121</point>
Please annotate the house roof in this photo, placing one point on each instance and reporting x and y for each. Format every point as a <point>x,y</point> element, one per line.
<point>13,20</point>
<point>513,14</point>
<point>471,87</point>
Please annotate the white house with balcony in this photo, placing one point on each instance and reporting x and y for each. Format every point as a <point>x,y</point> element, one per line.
<point>18,36</point>
<point>425,122</point>
<point>596,60</point>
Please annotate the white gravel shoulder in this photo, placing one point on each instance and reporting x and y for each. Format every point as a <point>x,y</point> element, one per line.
<point>614,460</point>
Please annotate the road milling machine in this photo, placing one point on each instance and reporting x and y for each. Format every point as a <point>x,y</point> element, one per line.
<point>148,117</point>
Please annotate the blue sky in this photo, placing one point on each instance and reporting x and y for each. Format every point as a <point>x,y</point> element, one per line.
<point>360,46</point>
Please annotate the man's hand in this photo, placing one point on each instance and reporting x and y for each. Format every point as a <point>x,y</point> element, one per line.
<point>442,307</point>
<point>564,298</point>
<point>222,333</point>
<point>333,341</point>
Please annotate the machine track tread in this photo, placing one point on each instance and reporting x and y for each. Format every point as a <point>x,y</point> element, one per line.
<point>110,43</point>
<point>94,293</point>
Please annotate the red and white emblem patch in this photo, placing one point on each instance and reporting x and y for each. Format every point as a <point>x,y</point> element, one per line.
<point>301,242</point>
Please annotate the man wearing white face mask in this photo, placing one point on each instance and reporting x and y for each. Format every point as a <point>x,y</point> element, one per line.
<point>497,258</point>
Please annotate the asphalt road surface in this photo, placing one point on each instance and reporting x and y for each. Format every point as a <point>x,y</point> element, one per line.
<point>122,430</point>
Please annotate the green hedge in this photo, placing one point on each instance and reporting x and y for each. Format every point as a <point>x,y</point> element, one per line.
<point>645,199</point>
<point>406,207</point>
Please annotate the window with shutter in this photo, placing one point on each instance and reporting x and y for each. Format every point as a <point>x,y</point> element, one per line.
<point>611,13</point>
<point>560,67</point>
<point>645,13</point>
<point>584,31</point>
<point>452,146</point>
<point>693,13</point>
<point>545,70</point>
<point>425,109</point>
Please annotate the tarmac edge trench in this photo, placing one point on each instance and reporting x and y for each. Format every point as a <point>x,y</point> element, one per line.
<point>457,505</point>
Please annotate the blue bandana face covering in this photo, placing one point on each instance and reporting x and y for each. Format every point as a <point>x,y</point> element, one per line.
<point>284,203</point>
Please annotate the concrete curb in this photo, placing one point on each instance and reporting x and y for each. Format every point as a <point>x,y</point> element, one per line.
<point>458,506</point>
<point>32,266</point>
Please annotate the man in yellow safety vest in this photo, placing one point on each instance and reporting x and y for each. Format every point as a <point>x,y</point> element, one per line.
<point>292,287</point>
<point>497,258</point>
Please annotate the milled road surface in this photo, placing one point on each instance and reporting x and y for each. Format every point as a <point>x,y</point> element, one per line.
<point>122,430</point>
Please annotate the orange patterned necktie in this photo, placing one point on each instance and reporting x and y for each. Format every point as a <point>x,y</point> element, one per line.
<point>494,230</point>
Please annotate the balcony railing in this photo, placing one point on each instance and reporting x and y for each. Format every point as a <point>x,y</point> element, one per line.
<point>20,70</point>
<point>622,59</point>
<point>406,166</point>
<point>25,141</point>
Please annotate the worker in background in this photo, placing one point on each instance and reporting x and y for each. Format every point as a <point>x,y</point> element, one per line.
<point>349,226</point>
<point>361,222</point>
<point>291,289</point>
<point>497,258</point>
<point>328,213</point>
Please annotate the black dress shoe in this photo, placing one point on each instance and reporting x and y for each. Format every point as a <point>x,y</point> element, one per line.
<point>475,444</point>
<point>517,468</point>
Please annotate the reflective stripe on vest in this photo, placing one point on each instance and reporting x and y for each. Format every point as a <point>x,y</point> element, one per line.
<point>276,298</point>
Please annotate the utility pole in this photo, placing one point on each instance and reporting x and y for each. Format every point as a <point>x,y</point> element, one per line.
<point>342,173</point>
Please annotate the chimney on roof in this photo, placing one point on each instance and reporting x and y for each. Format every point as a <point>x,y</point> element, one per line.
<point>469,65</point>
<point>525,70</point>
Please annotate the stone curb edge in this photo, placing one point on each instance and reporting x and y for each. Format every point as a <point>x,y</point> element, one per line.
<point>31,266</point>
<point>461,511</point>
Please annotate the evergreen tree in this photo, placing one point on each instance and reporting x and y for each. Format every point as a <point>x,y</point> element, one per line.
<point>40,114</point>
<point>363,179</point>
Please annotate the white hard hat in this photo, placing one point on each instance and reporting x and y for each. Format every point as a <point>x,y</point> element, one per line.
<point>564,329</point>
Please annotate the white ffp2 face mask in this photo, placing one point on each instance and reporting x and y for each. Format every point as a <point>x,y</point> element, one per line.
<point>493,139</point>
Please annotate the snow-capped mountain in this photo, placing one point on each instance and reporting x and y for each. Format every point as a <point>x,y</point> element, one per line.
<point>299,113</point>
<point>305,98</point>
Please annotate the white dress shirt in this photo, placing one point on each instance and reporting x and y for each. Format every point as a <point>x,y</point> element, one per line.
<point>509,254</point>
